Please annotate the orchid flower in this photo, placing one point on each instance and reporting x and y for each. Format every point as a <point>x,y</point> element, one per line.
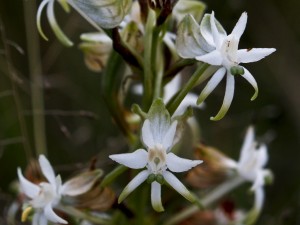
<point>250,166</point>
<point>210,43</point>
<point>227,55</point>
<point>45,196</point>
<point>158,133</point>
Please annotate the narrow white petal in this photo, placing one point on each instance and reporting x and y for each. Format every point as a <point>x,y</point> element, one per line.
<point>177,164</point>
<point>229,91</point>
<point>247,146</point>
<point>259,198</point>
<point>169,136</point>
<point>189,100</point>
<point>51,215</point>
<point>262,155</point>
<point>212,84</point>
<point>56,29</point>
<point>30,189</point>
<point>248,76</point>
<point>253,54</point>
<point>240,26</point>
<point>47,170</point>
<point>132,185</point>
<point>215,33</point>
<point>42,220</point>
<point>36,218</point>
<point>156,197</point>
<point>213,58</point>
<point>259,180</point>
<point>134,160</point>
<point>147,136</point>
<point>38,18</point>
<point>178,186</point>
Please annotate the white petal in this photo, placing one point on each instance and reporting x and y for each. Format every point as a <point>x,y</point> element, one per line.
<point>36,218</point>
<point>189,100</point>
<point>259,198</point>
<point>205,29</point>
<point>259,181</point>
<point>147,135</point>
<point>135,160</point>
<point>212,84</point>
<point>229,91</point>
<point>172,87</point>
<point>248,76</point>
<point>240,26</point>
<point>213,58</point>
<point>56,29</point>
<point>30,189</point>
<point>38,18</point>
<point>169,137</point>
<point>262,155</point>
<point>253,54</point>
<point>47,170</point>
<point>156,197</point>
<point>177,164</point>
<point>42,220</point>
<point>136,181</point>
<point>178,186</point>
<point>247,145</point>
<point>51,215</point>
<point>215,33</point>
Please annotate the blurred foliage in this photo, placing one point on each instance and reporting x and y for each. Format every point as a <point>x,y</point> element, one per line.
<point>77,121</point>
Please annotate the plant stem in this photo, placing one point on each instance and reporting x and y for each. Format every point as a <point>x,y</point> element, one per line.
<point>35,70</point>
<point>175,102</point>
<point>110,177</point>
<point>148,73</point>
<point>208,199</point>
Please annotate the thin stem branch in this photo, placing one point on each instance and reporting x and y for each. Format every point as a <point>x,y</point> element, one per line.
<point>35,70</point>
<point>210,198</point>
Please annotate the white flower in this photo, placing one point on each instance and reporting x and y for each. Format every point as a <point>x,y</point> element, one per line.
<point>215,47</point>
<point>227,55</point>
<point>158,136</point>
<point>250,166</point>
<point>46,195</point>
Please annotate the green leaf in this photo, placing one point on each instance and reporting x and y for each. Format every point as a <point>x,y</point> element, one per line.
<point>105,13</point>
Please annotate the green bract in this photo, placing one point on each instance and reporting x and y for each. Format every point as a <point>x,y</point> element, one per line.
<point>105,13</point>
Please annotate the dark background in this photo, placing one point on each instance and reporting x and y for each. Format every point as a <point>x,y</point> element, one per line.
<point>74,138</point>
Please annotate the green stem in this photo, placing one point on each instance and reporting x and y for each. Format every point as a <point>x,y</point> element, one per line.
<point>83,215</point>
<point>112,78</point>
<point>175,102</point>
<point>110,177</point>
<point>179,65</point>
<point>37,95</point>
<point>210,198</point>
<point>148,73</point>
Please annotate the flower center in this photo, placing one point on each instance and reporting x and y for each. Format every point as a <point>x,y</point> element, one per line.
<point>46,195</point>
<point>157,159</point>
<point>229,51</point>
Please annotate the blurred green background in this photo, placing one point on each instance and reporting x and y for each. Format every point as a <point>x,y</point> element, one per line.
<point>78,125</point>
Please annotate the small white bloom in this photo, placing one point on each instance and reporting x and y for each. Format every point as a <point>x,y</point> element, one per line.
<point>46,195</point>
<point>158,136</point>
<point>227,55</point>
<point>250,166</point>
